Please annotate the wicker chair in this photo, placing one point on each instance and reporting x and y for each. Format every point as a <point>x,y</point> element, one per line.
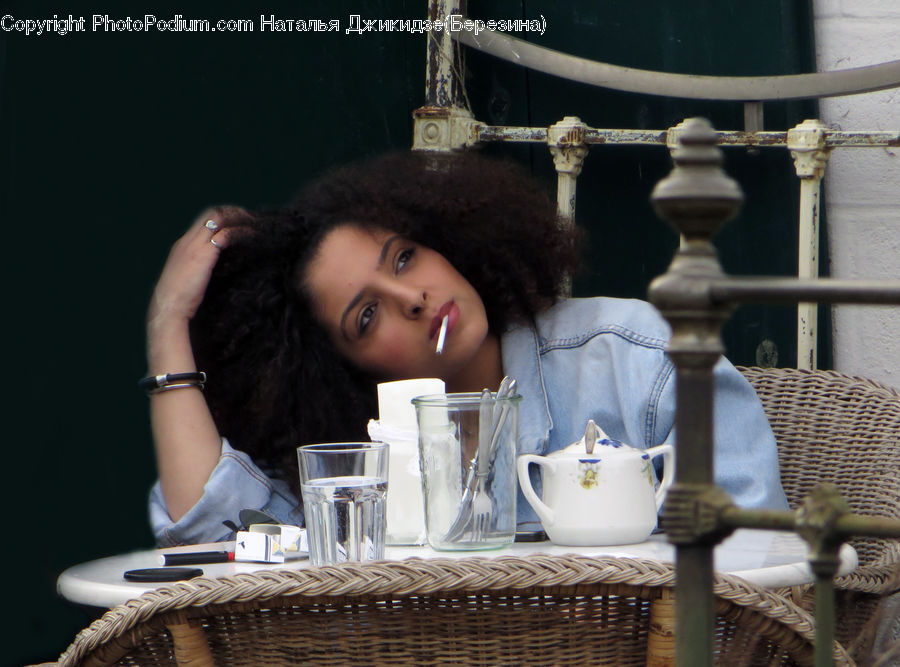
<point>835,428</point>
<point>539,610</point>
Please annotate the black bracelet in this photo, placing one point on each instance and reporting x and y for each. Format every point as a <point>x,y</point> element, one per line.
<point>157,383</point>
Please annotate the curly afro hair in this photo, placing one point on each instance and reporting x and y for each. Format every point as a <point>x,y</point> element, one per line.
<point>275,379</point>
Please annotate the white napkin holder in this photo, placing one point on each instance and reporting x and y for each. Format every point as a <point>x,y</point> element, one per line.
<point>397,426</point>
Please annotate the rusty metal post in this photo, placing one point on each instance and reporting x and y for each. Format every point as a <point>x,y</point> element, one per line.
<point>444,123</point>
<point>568,147</point>
<point>806,142</point>
<point>696,198</point>
<point>566,141</point>
<point>443,83</point>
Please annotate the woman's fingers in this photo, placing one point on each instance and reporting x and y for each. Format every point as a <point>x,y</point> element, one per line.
<point>188,269</point>
<point>219,221</point>
<point>214,226</point>
<point>218,236</point>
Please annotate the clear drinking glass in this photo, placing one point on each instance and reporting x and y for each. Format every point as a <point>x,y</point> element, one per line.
<point>467,448</point>
<point>344,486</point>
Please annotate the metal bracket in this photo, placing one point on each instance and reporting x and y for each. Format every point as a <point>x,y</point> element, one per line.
<point>816,522</point>
<point>692,514</point>
<point>566,140</point>
<point>806,142</point>
<point>444,129</point>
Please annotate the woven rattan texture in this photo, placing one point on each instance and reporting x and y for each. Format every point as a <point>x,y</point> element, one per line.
<point>845,430</point>
<point>832,427</point>
<point>542,610</point>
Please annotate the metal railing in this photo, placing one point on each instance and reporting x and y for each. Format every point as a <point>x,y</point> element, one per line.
<point>694,295</point>
<point>445,123</point>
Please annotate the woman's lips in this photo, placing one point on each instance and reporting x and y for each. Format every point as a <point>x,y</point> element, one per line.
<point>452,311</point>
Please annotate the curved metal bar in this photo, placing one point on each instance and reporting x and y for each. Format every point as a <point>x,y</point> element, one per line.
<point>687,86</point>
<point>794,290</point>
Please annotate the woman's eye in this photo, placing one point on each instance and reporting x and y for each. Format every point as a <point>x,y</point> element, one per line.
<point>365,317</point>
<point>404,256</point>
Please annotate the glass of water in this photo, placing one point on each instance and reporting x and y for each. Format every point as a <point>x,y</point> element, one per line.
<point>344,485</point>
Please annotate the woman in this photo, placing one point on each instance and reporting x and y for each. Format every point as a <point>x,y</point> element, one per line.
<point>296,315</point>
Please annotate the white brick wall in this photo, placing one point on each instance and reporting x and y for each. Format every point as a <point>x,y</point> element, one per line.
<point>868,9</point>
<point>863,185</point>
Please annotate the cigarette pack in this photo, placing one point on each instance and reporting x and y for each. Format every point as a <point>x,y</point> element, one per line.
<point>291,538</point>
<point>258,547</point>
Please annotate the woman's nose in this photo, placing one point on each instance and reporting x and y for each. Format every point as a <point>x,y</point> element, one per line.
<point>413,302</point>
<point>409,300</point>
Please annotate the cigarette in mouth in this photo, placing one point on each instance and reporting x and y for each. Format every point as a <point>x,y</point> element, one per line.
<point>442,335</point>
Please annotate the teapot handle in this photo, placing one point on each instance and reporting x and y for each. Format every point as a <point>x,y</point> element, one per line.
<point>547,515</point>
<point>668,454</point>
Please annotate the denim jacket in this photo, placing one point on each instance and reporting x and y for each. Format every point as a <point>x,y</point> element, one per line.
<point>600,359</point>
<point>604,359</point>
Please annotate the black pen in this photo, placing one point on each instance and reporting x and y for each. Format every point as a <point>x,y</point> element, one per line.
<point>198,557</point>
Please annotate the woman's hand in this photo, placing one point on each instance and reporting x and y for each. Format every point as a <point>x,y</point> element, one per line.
<point>187,271</point>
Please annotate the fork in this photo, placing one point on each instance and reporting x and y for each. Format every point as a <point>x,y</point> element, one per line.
<point>463,520</point>
<point>483,503</point>
<point>489,424</point>
<point>482,506</point>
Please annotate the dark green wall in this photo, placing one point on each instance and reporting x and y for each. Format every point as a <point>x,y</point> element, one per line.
<point>112,143</point>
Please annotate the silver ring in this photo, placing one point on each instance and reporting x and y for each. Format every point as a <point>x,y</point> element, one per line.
<point>213,241</point>
<point>212,225</point>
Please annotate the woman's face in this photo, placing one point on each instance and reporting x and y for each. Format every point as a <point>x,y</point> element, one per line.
<point>382,297</point>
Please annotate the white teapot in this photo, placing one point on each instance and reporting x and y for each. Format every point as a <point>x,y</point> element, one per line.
<point>598,491</point>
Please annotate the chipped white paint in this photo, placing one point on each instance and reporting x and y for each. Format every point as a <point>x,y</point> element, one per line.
<point>444,129</point>
<point>441,88</point>
<point>727,138</point>
<point>568,148</point>
<point>811,143</point>
<point>807,145</point>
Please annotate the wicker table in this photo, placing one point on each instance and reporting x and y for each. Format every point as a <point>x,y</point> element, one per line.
<point>769,559</point>
<point>765,558</point>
